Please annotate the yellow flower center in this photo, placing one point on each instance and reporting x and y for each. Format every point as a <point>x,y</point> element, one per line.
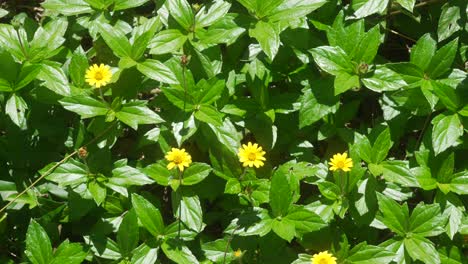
<point>252,156</point>
<point>340,164</point>
<point>323,261</point>
<point>98,76</point>
<point>178,159</point>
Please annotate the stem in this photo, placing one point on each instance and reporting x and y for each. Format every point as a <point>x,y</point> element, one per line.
<point>21,44</point>
<point>184,85</point>
<point>416,6</point>
<point>428,118</point>
<point>229,243</point>
<point>103,99</point>
<point>178,192</point>
<point>49,171</point>
<point>343,179</point>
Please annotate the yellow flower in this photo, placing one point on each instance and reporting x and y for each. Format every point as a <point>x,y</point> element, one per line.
<point>238,253</point>
<point>251,155</point>
<point>98,76</point>
<point>178,157</point>
<point>341,162</point>
<point>323,258</point>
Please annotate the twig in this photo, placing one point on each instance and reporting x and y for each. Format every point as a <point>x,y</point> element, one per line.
<point>416,6</point>
<point>49,171</point>
<point>428,118</point>
<point>399,34</point>
<point>229,243</point>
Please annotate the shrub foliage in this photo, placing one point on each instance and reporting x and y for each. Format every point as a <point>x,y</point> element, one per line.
<point>243,131</point>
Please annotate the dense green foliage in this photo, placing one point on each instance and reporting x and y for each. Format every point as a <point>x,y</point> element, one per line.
<point>83,173</point>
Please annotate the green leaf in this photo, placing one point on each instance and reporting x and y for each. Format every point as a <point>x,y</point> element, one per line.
<point>448,21</point>
<point>191,213</point>
<point>267,35</point>
<point>398,171</point>
<point>137,113</point>
<point>368,46</point>
<point>206,17</point>
<point>421,249</point>
<point>305,220</point>
<point>128,235</point>
<point>182,12</point>
<point>329,190</point>
<point>332,60</point>
<point>72,172</point>
<point>367,254</point>
<point>11,40</point>
<point>149,216</point>
<point>459,183</point>
<point>410,73</point>
<point>184,130</point>
<point>48,39</point>
<point>371,7</point>
<point>210,91</point>
<point>67,7</point>
<point>127,176</point>
<point>214,250</point>
<point>345,81</point>
<point>126,4</point>
<point>363,147</point>
<point>284,229</point>
<point>283,187</point>
<point>156,70</point>
<point>423,51</point>
<point>3,12</point>
<point>143,34</point>
<point>196,173</point>
<point>27,74</point>
<point>227,135</point>
<point>384,79</point>
<point>315,104</point>
<point>78,66</point>
<point>145,254</point>
<point>447,95</point>
<point>394,216</point>
<point>381,146</point>
<point>158,173</point>
<point>115,39</point>
<point>16,108</point>
<point>445,132</point>
<point>442,60</point>
<point>167,41</point>
<point>70,253</point>
<point>407,4</point>
<point>54,79</point>
<point>255,221</point>
<point>293,9</point>
<point>176,251</point>
<point>209,114</point>
<point>98,191</point>
<point>38,247</point>
<point>103,247</point>
<point>84,105</point>
<point>425,180</point>
<point>426,220</point>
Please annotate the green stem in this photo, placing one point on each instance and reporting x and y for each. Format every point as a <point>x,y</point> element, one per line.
<point>179,194</point>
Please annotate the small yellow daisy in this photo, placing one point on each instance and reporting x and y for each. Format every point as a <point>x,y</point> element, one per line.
<point>341,162</point>
<point>238,253</point>
<point>251,155</point>
<point>178,158</point>
<point>323,258</point>
<point>98,76</point>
